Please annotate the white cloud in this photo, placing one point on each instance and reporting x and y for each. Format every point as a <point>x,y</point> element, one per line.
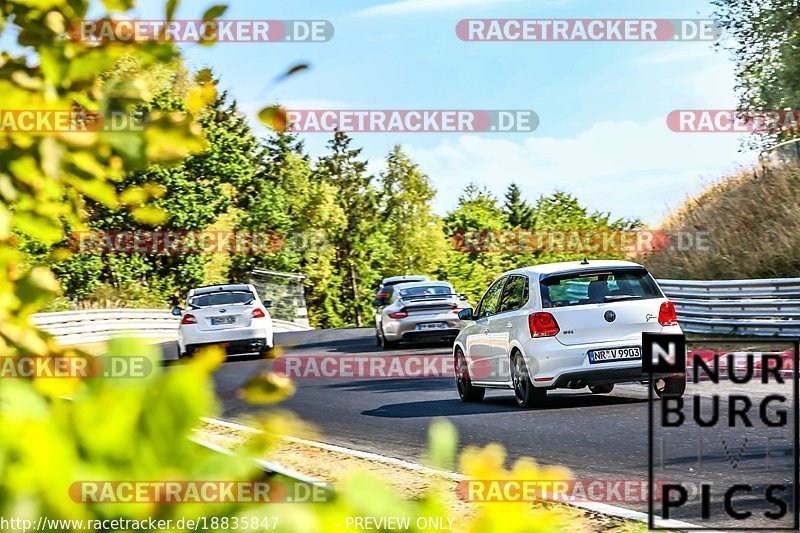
<point>627,168</point>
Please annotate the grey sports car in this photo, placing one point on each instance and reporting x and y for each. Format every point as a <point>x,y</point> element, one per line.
<point>419,311</point>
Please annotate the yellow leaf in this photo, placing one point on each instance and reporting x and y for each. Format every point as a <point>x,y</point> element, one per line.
<point>267,388</point>
<point>273,117</point>
<point>149,215</point>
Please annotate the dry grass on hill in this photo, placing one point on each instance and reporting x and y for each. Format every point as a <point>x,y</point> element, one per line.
<point>753,220</point>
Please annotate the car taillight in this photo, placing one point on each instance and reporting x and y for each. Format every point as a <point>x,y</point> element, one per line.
<point>667,315</point>
<point>381,295</point>
<point>258,313</point>
<point>189,319</point>
<point>543,325</point>
<point>455,309</point>
<point>399,314</point>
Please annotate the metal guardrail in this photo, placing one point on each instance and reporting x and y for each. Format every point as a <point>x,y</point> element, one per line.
<point>73,327</point>
<point>763,307</point>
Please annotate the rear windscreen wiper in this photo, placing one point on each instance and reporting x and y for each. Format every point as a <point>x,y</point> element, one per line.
<point>621,297</point>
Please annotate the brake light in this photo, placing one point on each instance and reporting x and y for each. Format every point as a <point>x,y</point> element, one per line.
<point>188,319</point>
<point>399,314</point>
<point>543,325</point>
<point>258,313</point>
<point>455,309</point>
<point>667,315</point>
<point>381,295</point>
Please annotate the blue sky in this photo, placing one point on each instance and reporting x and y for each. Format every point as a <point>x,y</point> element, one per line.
<point>602,106</point>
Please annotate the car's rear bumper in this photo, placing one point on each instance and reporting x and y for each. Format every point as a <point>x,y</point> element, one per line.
<point>193,336</point>
<point>600,376</point>
<point>237,347</point>
<point>430,335</point>
<point>553,364</point>
<point>405,329</point>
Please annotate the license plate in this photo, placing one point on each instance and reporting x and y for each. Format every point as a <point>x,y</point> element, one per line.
<point>615,354</point>
<point>219,320</point>
<point>432,325</point>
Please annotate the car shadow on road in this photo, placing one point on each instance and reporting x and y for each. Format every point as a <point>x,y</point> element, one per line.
<point>494,404</point>
<point>361,346</point>
<point>396,385</point>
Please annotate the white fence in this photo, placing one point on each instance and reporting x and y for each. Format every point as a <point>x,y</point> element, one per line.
<point>73,327</point>
<point>769,307</point>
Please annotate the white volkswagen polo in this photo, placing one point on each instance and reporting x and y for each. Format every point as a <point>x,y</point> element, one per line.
<point>230,315</point>
<point>563,325</point>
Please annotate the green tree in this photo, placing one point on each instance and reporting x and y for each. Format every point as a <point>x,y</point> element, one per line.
<point>477,209</point>
<point>188,197</point>
<point>284,198</point>
<point>518,212</point>
<point>361,245</point>
<point>472,270</point>
<point>766,49</point>
<point>416,233</point>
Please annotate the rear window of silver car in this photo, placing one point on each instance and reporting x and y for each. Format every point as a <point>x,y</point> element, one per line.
<point>222,298</point>
<point>602,286</point>
<point>421,292</point>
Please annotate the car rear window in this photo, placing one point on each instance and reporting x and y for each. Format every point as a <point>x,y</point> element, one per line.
<point>592,287</point>
<point>421,292</point>
<point>222,298</point>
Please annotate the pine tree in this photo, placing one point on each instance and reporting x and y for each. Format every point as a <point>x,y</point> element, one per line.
<point>518,213</point>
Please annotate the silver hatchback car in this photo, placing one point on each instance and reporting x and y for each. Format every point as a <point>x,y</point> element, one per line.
<point>419,311</point>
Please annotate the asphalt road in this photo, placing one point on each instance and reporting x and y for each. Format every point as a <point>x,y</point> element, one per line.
<point>596,436</point>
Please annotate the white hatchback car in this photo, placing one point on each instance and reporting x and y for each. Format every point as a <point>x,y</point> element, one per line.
<point>231,315</point>
<point>563,325</point>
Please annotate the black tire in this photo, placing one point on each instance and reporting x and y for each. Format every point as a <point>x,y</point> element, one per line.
<point>524,392</point>
<point>466,390</point>
<point>673,386</point>
<point>601,389</point>
<point>378,339</point>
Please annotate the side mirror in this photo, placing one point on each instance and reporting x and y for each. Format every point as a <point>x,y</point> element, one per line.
<point>377,303</point>
<point>267,303</point>
<point>177,311</point>
<point>465,314</point>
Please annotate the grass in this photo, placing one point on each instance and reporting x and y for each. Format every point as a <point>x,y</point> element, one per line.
<point>333,467</point>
